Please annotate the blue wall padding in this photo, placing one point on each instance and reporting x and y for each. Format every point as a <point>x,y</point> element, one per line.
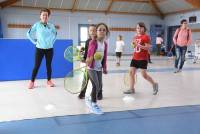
<point>1,31</point>
<point>17,60</point>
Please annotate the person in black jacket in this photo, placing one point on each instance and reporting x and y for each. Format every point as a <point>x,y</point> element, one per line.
<point>92,35</point>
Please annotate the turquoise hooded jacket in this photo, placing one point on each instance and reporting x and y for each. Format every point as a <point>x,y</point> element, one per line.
<point>42,35</point>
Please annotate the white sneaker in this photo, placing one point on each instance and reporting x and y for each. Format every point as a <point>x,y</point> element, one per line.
<point>180,70</point>
<point>96,109</point>
<point>176,70</point>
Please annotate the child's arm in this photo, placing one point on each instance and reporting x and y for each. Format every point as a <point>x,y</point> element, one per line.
<point>90,53</point>
<point>89,60</point>
<point>133,43</point>
<point>147,46</point>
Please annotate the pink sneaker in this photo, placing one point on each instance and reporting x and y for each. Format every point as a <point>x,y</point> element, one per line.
<point>31,85</point>
<point>50,83</point>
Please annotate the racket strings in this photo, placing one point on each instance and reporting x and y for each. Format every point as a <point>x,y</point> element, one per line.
<point>74,81</point>
<point>72,53</point>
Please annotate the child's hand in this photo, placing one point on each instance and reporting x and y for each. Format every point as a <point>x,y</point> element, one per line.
<point>89,60</point>
<point>133,44</point>
<point>105,71</point>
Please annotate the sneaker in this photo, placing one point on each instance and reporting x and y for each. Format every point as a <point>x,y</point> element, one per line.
<point>175,70</point>
<point>155,88</point>
<point>180,70</point>
<point>31,85</point>
<point>96,109</point>
<point>81,96</point>
<point>100,96</point>
<point>50,83</point>
<point>129,91</point>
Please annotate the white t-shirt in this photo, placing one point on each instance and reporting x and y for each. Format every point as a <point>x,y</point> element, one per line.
<point>119,46</point>
<point>159,40</point>
<point>97,63</point>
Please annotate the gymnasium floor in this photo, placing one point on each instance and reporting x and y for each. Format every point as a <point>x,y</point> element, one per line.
<point>44,110</point>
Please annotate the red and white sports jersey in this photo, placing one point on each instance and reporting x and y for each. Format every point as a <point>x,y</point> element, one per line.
<point>139,53</point>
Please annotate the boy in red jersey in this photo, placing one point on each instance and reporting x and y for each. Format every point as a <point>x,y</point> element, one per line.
<point>140,58</point>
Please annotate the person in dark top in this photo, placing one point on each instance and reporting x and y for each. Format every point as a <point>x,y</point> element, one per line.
<point>92,35</point>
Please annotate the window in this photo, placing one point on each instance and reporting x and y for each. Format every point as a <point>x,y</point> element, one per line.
<point>192,19</point>
<point>83,34</point>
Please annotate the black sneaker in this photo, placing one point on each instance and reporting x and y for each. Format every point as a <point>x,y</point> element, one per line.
<point>81,96</point>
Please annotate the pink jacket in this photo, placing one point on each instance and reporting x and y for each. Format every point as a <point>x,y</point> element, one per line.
<point>182,37</point>
<point>91,51</point>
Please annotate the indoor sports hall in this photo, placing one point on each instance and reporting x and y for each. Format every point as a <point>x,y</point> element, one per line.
<point>150,84</point>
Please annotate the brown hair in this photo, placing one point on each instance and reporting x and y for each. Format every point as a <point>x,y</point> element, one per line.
<point>120,37</point>
<point>183,20</point>
<point>45,10</point>
<point>141,24</point>
<point>107,29</point>
<point>92,25</point>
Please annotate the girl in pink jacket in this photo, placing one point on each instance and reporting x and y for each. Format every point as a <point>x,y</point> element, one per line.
<point>97,66</point>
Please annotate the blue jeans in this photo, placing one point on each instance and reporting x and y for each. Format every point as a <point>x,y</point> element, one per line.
<point>180,56</point>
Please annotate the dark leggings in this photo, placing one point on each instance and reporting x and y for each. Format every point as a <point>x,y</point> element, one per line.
<point>39,54</point>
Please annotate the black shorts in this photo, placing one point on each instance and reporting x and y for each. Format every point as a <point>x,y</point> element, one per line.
<point>119,54</point>
<point>139,64</point>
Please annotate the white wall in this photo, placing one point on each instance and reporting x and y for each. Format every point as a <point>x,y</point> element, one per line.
<point>68,23</point>
<point>173,20</point>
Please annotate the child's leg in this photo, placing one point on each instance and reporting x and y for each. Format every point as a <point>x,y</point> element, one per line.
<point>146,76</point>
<point>120,57</point>
<point>94,78</point>
<point>84,87</point>
<point>132,73</point>
<point>116,57</point>
<point>132,77</point>
<point>95,84</point>
<point>100,94</point>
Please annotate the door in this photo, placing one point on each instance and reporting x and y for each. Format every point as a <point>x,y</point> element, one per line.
<point>170,34</point>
